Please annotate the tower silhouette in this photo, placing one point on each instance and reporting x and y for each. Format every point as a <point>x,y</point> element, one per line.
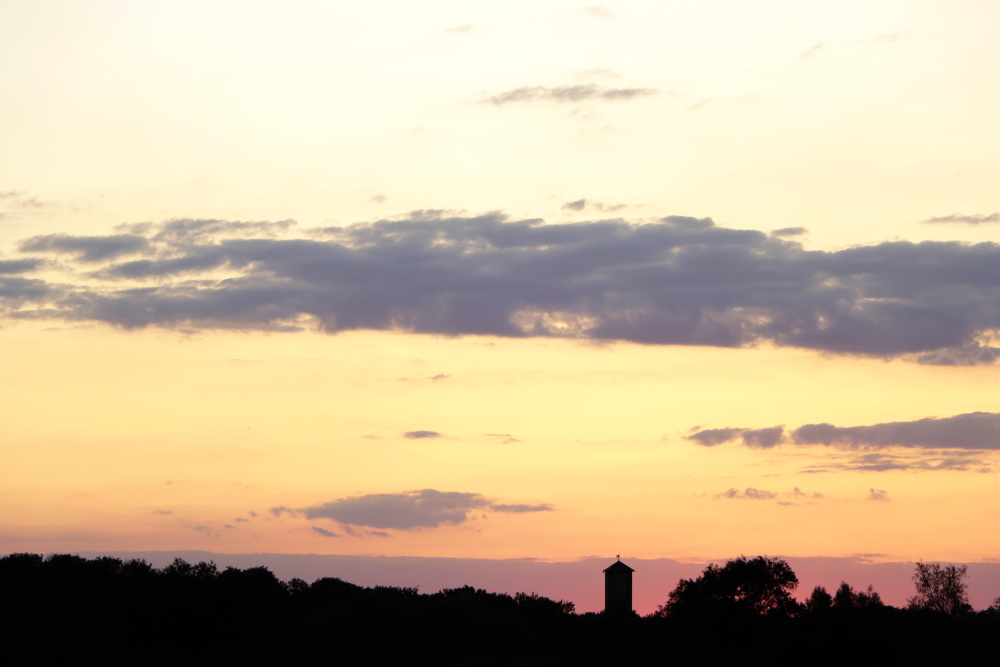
<point>618,588</point>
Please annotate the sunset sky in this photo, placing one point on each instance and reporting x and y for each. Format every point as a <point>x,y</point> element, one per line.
<point>519,280</point>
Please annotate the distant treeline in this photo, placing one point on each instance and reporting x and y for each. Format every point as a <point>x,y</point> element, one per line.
<point>63,609</point>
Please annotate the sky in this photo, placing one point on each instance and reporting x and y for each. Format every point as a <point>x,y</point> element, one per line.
<point>522,282</point>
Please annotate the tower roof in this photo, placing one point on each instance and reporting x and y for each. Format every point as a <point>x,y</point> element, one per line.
<point>618,566</point>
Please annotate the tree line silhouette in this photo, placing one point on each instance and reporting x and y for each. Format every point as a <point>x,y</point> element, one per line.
<point>64,609</point>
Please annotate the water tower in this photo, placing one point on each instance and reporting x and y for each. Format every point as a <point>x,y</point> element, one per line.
<point>618,588</point>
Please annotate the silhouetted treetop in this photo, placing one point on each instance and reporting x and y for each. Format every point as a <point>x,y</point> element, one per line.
<point>940,588</point>
<point>758,586</point>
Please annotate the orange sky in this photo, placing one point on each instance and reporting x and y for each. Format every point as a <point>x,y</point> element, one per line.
<point>302,279</point>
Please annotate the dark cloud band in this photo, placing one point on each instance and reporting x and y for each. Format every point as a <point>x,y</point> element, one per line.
<point>678,281</point>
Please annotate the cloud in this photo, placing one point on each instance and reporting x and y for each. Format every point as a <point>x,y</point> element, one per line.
<point>404,511</point>
<point>972,431</point>
<point>16,203</point>
<point>961,461</point>
<point>956,462</point>
<point>975,430</point>
<point>749,493</point>
<point>460,29</point>
<point>324,532</point>
<point>520,509</point>
<point>790,231</point>
<point>973,354</point>
<point>569,94</point>
<point>163,512</point>
<point>87,248</point>
<point>878,495</point>
<point>976,219</point>
<point>202,230</point>
<point>409,510</point>
<point>16,292</point>
<point>710,437</point>
<point>13,266</point>
<point>677,281</point>
<point>762,438</point>
<point>581,204</point>
<point>417,435</point>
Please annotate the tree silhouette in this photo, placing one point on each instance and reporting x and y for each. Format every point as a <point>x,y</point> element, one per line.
<point>940,588</point>
<point>759,586</point>
<point>819,602</point>
<point>846,598</point>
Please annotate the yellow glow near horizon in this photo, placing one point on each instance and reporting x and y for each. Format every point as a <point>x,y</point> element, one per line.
<point>117,426</point>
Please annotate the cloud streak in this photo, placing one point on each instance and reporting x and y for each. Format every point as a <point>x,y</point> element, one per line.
<point>419,435</point>
<point>750,493</point>
<point>975,219</point>
<point>569,94</point>
<point>971,431</point>
<point>677,281</point>
<point>793,497</point>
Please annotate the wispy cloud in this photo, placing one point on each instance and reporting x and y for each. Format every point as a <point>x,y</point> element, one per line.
<point>749,493</point>
<point>520,509</point>
<point>419,435</point>
<point>569,94</point>
<point>921,461</point>
<point>974,219</point>
<point>793,497</point>
<point>590,205</point>
<point>973,354</point>
<point>790,231</point>
<point>878,495</point>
